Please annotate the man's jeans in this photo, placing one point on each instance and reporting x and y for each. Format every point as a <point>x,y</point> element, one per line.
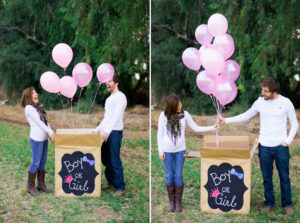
<point>110,155</point>
<point>174,167</point>
<point>281,155</point>
<point>39,155</point>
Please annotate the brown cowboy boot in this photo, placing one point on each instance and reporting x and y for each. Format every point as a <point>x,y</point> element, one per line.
<point>171,195</point>
<point>41,182</point>
<point>30,184</point>
<point>178,196</point>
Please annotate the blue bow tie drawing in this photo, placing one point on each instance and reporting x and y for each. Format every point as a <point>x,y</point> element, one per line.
<point>91,162</point>
<point>239,175</point>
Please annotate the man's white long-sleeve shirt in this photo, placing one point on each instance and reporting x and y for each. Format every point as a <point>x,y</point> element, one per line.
<point>165,143</point>
<point>273,120</point>
<point>115,106</point>
<point>38,129</point>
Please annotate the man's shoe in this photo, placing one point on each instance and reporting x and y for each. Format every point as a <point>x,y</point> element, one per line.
<point>107,187</point>
<point>289,211</point>
<point>266,209</point>
<point>118,193</point>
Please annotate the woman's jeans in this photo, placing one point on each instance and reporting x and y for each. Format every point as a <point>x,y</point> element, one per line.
<point>39,155</point>
<point>174,167</point>
<point>281,155</point>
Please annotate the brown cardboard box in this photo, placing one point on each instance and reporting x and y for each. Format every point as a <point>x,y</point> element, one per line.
<point>77,163</point>
<point>226,175</point>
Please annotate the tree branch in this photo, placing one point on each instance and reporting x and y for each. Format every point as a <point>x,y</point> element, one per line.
<point>178,35</point>
<point>33,38</point>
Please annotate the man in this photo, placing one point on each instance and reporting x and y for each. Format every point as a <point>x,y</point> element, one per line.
<point>274,110</point>
<point>111,129</point>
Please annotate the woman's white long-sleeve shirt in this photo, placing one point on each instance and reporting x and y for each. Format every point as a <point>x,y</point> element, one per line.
<point>38,129</point>
<point>273,120</point>
<point>165,143</point>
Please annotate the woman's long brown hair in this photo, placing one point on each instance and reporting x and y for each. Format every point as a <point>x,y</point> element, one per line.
<point>171,105</point>
<point>27,97</point>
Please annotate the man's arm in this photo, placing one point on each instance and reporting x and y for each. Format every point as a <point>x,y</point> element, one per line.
<point>294,124</point>
<point>242,117</point>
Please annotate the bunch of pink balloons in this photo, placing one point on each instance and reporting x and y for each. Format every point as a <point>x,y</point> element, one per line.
<point>82,73</point>
<point>219,73</point>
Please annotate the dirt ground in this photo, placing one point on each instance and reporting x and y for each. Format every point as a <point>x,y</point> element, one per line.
<point>136,119</point>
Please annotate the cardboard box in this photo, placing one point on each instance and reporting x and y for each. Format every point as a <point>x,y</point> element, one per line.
<point>77,163</point>
<point>226,174</point>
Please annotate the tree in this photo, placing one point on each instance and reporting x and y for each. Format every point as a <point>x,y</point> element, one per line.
<point>97,31</point>
<point>266,44</point>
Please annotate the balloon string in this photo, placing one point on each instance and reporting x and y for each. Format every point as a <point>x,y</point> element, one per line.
<point>78,106</point>
<point>63,106</point>
<point>71,114</point>
<point>217,138</point>
<point>93,101</point>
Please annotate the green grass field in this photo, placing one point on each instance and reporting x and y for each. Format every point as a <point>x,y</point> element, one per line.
<point>16,205</point>
<point>191,196</point>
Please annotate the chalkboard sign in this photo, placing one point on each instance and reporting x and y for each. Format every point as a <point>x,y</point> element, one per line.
<point>225,187</point>
<point>78,173</point>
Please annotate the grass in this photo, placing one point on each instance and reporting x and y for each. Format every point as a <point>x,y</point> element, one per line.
<point>16,205</point>
<point>191,196</point>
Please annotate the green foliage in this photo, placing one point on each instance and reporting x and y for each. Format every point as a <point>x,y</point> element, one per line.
<point>266,44</point>
<point>15,160</point>
<point>98,31</point>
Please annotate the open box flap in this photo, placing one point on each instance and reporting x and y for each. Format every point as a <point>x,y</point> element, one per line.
<point>229,147</point>
<point>77,138</point>
<point>227,141</point>
<point>225,153</point>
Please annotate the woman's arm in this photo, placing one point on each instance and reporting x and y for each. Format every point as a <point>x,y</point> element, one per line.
<point>160,131</point>
<point>196,127</point>
<point>34,115</point>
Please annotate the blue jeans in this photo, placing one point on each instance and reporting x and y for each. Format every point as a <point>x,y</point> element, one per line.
<point>281,155</point>
<point>39,155</point>
<point>110,156</point>
<point>174,167</point>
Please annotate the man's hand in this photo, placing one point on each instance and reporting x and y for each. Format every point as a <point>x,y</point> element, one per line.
<point>284,144</point>
<point>104,136</point>
<point>162,156</point>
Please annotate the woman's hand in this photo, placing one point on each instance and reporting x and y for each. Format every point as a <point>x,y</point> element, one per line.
<point>162,155</point>
<point>220,120</point>
<point>52,139</point>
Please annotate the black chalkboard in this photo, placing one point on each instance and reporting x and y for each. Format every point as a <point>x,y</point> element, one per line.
<point>225,187</point>
<point>78,173</point>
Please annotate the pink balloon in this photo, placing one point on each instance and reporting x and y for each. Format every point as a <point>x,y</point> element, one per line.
<point>191,58</point>
<point>217,24</point>
<point>212,61</point>
<point>203,36</point>
<point>202,48</point>
<point>205,82</point>
<point>226,90</point>
<point>231,70</point>
<point>67,86</point>
<point>105,72</point>
<point>224,44</point>
<point>82,74</point>
<point>50,82</point>
<point>62,55</point>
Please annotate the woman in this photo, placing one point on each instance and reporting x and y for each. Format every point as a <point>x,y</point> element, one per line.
<point>39,130</point>
<point>171,146</point>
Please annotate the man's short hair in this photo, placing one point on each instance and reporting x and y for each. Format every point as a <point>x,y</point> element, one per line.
<point>117,79</point>
<point>271,83</point>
